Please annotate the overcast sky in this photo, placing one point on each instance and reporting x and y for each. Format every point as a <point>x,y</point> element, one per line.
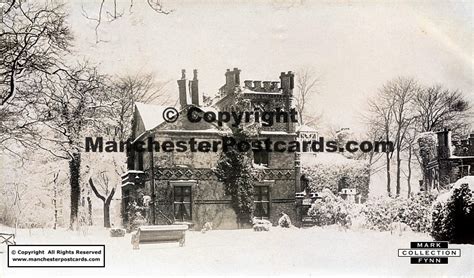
<point>354,46</point>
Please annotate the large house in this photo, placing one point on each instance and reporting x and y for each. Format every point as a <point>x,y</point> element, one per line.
<point>181,186</point>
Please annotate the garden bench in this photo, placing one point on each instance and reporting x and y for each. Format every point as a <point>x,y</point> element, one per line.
<point>159,233</point>
<point>8,239</point>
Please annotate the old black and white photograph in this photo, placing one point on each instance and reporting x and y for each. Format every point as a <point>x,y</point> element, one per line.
<point>156,138</point>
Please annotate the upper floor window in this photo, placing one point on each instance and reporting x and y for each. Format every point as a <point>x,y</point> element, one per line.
<point>140,161</point>
<point>260,157</point>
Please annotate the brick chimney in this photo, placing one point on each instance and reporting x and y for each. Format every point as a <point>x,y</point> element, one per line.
<point>471,144</point>
<point>444,143</point>
<point>194,89</point>
<point>232,79</point>
<point>287,82</point>
<point>182,89</point>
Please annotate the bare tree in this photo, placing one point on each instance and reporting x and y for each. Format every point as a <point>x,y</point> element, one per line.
<point>127,90</point>
<point>111,10</point>
<point>55,198</point>
<point>410,146</point>
<point>107,195</point>
<point>68,108</point>
<point>306,87</point>
<point>34,39</point>
<point>404,91</point>
<point>380,121</point>
<point>438,107</point>
<point>33,42</point>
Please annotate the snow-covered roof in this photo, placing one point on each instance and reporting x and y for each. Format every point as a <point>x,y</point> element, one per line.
<point>309,159</point>
<point>305,128</point>
<point>275,132</point>
<point>444,197</point>
<point>469,180</point>
<point>151,114</point>
<point>248,91</point>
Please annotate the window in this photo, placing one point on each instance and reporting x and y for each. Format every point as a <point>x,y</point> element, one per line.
<point>182,203</point>
<point>262,202</point>
<point>260,157</point>
<point>140,161</point>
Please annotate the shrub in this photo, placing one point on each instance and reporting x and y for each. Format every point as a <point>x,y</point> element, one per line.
<point>135,216</point>
<point>354,174</point>
<point>453,221</point>
<point>330,211</point>
<point>414,211</point>
<point>284,221</point>
<point>261,225</point>
<point>117,232</point>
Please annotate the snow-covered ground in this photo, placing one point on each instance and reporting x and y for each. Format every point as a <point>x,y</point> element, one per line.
<point>312,251</point>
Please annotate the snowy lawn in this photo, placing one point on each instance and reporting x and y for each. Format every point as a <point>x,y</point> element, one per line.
<point>293,251</point>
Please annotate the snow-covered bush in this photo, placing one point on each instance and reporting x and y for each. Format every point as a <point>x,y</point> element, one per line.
<point>414,211</point>
<point>117,232</point>
<point>354,175</point>
<point>260,225</point>
<point>329,211</point>
<point>135,216</point>
<point>284,221</point>
<point>453,220</point>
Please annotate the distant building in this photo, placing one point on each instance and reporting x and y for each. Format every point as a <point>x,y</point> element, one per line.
<point>454,159</point>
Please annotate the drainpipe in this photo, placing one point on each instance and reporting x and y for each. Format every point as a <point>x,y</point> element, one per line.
<point>152,190</point>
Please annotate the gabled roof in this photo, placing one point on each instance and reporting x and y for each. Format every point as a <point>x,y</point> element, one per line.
<point>152,115</point>
<point>152,118</point>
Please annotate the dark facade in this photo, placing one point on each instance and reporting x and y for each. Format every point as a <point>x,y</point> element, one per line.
<point>182,187</point>
<point>454,159</point>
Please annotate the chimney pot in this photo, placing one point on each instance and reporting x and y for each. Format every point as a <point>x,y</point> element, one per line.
<point>182,87</point>
<point>194,89</point>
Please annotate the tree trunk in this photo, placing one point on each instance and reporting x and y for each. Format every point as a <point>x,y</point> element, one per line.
<point>409,171</point>
<point>399,162</point>
<point>107,215</point>
<point>387,155</point>
<point>89,210</point>
<point>106,201</point>
<point>74,171</point>
<point>55,206</point>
